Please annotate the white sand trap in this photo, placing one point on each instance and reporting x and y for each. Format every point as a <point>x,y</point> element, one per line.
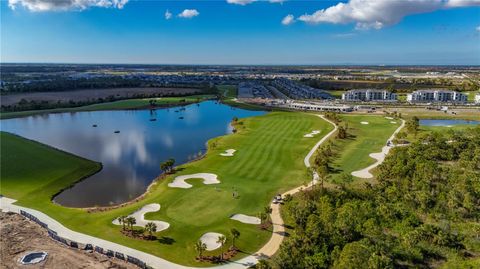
<point>179,181</point>
<point>312,134</point>
<point>139,216</point>
<point>210,239</point>
<point>245,219</point>
<point>393,122</point>
<point>228,153</point>
<point>364,122</point>
<point>389,118</point>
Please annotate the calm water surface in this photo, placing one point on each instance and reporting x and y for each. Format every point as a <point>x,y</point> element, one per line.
<point>447,122</point>
<point>131,159</point>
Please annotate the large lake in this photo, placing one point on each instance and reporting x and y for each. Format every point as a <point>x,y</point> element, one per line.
<point>131,158</point>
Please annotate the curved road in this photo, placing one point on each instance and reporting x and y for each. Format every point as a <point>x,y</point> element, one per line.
<point>6,204</point>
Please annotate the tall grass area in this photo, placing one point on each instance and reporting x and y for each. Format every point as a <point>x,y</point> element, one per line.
<point>269,160</point>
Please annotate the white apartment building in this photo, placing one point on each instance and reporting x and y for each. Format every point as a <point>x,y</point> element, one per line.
<point>369,95</point>
<point>436,96</point>
<point>477,98</point>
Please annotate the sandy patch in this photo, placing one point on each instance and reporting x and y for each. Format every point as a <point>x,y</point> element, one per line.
<point>312,134</point>
<point>246,219</point>
<point>139,216</point>
<point>228,153</point>
<point>179,181</point>
<point>210,239</point>
<point>389,118</point>
<point>364,122</point>
<point>393,122</point>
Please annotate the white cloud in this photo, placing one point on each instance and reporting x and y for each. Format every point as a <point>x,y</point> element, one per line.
<point>241,2</point>
<point>189,13</point>
<point>376,14</point>
<point>168,15</point>
<point>478,28</point>
<point>462,3</point>
<point>64,5</point>
<point>289,19</point>
<point>276,1</point>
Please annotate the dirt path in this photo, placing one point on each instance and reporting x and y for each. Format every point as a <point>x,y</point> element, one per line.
<point>266,251</point>
<point>278,225</point>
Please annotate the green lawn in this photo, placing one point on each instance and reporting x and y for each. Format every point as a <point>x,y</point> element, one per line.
<point>269,160</point>
<point>28,167</point>
<point>116,105</point>
<point>353,152</point>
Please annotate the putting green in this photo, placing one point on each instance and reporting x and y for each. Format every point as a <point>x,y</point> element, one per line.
<point>269,160</point>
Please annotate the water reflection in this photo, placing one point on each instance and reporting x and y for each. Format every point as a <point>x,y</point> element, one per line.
<point>130,158</point>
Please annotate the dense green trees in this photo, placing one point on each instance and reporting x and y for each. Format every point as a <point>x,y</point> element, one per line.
<point>424,211</point>
<point>167,166</point>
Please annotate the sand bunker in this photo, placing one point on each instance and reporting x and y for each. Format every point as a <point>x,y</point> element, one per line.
<point>393,122</point>
<point>179,181</point>
<point>210,239</point>
<point>312,134</point>
<point>228,153</point>
<point>245,219</point>
<point>364,122</point>
<point>140,218</point>
<point>389,118</point>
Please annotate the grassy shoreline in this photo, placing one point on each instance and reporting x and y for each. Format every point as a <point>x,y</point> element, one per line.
<point>127,104</point>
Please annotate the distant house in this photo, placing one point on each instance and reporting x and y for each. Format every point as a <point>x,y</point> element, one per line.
<point>477,98</point>
<point>369,95</point>
<point>436,96</point>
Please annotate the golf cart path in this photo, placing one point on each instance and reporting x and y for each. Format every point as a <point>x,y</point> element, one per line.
<point>379,156</point>
<point>278,226</point>
<point>7,204</point>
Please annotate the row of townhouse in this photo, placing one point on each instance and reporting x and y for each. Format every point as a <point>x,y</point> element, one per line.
<point>369,95</point>
<point>420,96</point>
<point>436,96</point>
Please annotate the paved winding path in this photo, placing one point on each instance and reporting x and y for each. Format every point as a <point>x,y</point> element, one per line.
<point>6,204</point>
<point>379,156</point>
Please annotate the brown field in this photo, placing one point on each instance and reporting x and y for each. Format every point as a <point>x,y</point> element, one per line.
<point>94,94</point>
<point>20,236</point>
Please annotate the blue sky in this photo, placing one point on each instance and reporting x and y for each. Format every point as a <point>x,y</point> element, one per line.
<point>241,32</point>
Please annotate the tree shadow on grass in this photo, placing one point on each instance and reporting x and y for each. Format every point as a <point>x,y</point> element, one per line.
<point>166,240</point>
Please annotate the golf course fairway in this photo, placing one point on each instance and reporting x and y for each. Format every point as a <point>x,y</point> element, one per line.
<point>268,160</point>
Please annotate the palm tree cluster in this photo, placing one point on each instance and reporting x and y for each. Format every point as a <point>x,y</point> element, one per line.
<point>200,247</point>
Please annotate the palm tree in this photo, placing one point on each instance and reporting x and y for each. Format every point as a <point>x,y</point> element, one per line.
<point>221,240</point>
<point>263,264</point>
<point>121,220</point>
<point>268,210</point>
<point>131,221</point>
<point>235,235</point>
<point>151,228</point>
<point>262,216</point>
<point>200,247</point>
